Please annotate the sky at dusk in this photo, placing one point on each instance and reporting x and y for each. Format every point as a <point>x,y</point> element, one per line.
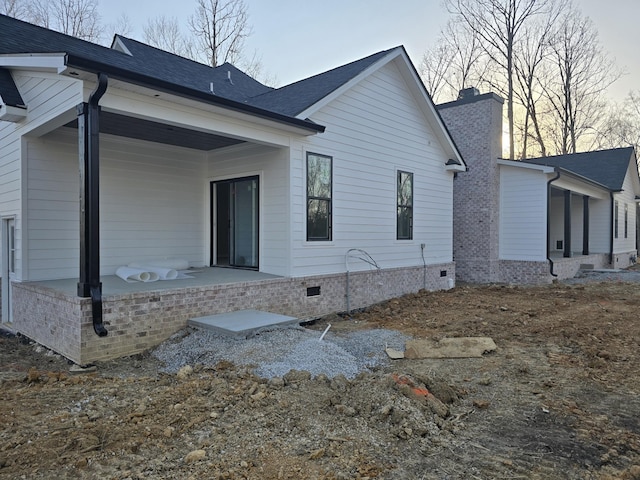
<point>296,39</point>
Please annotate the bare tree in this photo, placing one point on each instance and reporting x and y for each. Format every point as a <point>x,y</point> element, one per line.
<point>498,24</point>
<point>434,68</point>
<point>456,62</point>
<point>78,18</point>
<point>575,92</point>
<point>622,125</point>
<point>13,8</point>
<point>532,53</point>
<point>220,28</point>
<point>122,26</point>
<point>165,33</point>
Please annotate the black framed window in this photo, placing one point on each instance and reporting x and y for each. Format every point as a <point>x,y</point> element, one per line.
<point>626,220</point>
<point>319,193</point>
<point>615,219</point>
<point>405,206</point>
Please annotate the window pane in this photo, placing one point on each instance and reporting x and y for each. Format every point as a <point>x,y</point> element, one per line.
<point>404,222</point>
<point>318,219</point>
<point>319,176</point>
<point>626,220</point>
<point>405,206</point>
<point>615,219</point>
<point>319,197</point>
<point>405,189</point>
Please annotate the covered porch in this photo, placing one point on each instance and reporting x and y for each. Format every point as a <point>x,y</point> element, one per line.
<point>579,223</point>
<point>148,188</point>
<point>568,267</point>
<point>139,316</point>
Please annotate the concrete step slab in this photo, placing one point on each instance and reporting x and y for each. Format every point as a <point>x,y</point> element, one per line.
<point>242,323</point>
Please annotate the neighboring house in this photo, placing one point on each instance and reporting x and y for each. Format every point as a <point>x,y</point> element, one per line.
<point>535,220</point>
<point>296,185</point>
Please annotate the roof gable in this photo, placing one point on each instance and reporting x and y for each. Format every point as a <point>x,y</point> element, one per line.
<point>307,96</point>
<point>606,167</point>
<point>297,97</point>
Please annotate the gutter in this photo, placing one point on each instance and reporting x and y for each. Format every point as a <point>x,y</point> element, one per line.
<point>89,284</point>
<point>185,92</point>
<point>549,221</point>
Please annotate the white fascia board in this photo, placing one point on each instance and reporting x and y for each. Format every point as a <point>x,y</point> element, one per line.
<point>455,168</point>
<point>11,114</point>
<point>524,164</point>
<point>43,62</point>
<point>579,187</point>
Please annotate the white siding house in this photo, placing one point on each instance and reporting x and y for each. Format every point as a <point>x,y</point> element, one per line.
<point>367,155</point>
<point>114,156</point>
<point>523,213</point>
<point>538,219</point>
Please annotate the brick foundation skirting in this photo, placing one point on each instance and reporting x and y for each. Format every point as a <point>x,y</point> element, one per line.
<point>139,321</point>
<point>531,273</point>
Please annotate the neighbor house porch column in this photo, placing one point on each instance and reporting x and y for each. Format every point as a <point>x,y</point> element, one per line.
<point>585,225</point>
<point>567,223</point>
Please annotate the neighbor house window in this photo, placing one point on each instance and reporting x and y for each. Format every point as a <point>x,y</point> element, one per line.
<point>405,206</point>
<point>319,190</point>
<point>626,220</point>
<point>615,219</point>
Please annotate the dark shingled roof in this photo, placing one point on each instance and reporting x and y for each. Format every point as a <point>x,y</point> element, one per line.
<point>8,90</point>
<point>294,98</point>
<point>228,81</point>
<point>151,67</point>
<point>171,72</point>
<point>606,167</point>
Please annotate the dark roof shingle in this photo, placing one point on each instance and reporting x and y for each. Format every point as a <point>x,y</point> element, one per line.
<point>228,82</point>
<point>296,97</point>
<point>606,167</point>
<point>151,67</point>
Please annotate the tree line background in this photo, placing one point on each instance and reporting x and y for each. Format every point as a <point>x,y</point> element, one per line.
<point>543,57</point>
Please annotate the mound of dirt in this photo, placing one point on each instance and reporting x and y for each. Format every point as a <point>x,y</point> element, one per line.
<point>559,398</point>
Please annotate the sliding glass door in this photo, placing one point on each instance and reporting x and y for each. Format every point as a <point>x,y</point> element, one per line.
<point>235,232</point>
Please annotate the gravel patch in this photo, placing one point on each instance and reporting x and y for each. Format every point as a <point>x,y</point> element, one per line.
<point>273,353</point>
<point>613,275</point>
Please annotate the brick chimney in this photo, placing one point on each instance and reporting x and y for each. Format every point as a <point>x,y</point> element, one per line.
<point>475,123</point>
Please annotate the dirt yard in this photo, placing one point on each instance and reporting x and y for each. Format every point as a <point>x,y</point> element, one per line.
<point>560,398</point>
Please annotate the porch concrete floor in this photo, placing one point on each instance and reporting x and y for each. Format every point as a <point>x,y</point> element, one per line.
<point>242,323</point>
<point>114,285</point>
<point>560,254</point>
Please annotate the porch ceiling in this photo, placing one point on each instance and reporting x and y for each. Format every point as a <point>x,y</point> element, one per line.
<point>139,129</point>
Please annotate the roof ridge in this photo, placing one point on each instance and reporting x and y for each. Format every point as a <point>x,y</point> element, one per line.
<point>158,49</point>
<point>50,31</point>
<point>328,72</point>
<point>578,153</point>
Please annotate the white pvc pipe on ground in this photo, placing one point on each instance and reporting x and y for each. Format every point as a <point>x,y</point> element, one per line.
<point>130,275</point>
